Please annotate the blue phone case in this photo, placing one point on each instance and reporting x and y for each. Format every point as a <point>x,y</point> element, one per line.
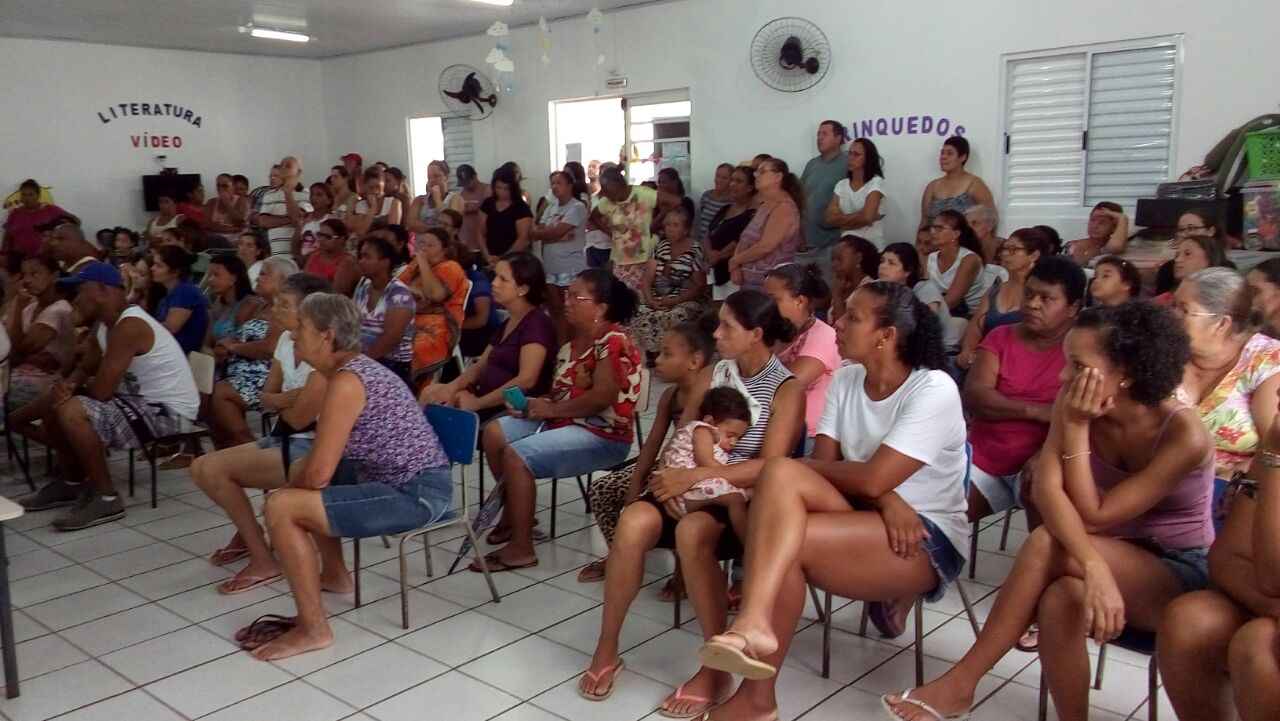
<point>516,398</point>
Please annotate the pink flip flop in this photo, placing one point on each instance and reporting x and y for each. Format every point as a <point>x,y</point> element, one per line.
<point>611,671</point>
<point>705,707</point>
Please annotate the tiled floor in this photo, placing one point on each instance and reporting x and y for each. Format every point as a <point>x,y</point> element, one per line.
<point>120,622</point>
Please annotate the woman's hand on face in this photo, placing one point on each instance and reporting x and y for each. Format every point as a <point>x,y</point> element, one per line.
<point>1103,604</point>
<point>1084,399</point>
<point>905,530</point>
<point>669,483</point>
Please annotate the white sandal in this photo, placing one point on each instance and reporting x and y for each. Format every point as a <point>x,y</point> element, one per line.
<point>904,697</point>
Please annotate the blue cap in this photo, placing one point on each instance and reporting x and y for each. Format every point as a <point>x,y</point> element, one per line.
<point>93,272</point>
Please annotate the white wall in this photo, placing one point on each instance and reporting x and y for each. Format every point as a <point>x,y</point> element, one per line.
<point>890,59</point>
<point>253,111</point>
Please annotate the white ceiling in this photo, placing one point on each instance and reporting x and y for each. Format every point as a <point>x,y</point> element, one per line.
<point>337,27</point>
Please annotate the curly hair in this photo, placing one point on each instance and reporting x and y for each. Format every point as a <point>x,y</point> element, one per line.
<point>1146,341</point>
<point>919,331</point>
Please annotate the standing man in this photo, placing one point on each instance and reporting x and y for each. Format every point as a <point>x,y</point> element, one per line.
<point>471,194</point>
<point>133,385</point>
<point>819,178</point>
<point>282,208</point>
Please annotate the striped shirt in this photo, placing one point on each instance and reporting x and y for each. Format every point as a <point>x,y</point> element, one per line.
<point>761,387</point>
<point>708,206</point>
<point>273,203</point>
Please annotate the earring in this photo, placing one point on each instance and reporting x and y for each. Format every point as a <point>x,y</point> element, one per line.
<point>880,345</point>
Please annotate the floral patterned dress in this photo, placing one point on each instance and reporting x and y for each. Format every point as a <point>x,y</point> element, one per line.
<point>574,377</point>
<point>673,276</point>
<point>249,375</point>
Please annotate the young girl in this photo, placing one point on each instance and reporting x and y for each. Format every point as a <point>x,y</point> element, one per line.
<point>706,443</point>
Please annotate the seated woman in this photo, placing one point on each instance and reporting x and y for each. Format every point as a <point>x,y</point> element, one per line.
<point>226,213</point>
<point>331,261</point>
<point>775,233</point>
<point>376,468</point>
<point>184,310</point>
<point>674,285</point>
<point>1002,304</point>
<point>1264,279</point>
<point>167,218</point>
<point>522,351</point>
<point>1015,377</point>
<point>42,342</point>
<point>1234,370</point>
<point>386,307</point>
<point>812,356</point>
<point>854,261</point>
<point>1217,647</point>
<point>1199,244</point>
<point>750,325</point>
<point>233,302</point>
<point>1124,484</point>
<point>985,220</point>
<point>247,354</point>
<point>856,204</point>
<point>726,228</point>
<point>955,264</point>
<point>439,287</point>
<point>583,425</point>
<point>671,195</point>
<point>1115,281</point>
<point>295,393</point>
<point>252,248</point>
<point>1108,232</point>
<point>900,263</point>
<point>957,190</point>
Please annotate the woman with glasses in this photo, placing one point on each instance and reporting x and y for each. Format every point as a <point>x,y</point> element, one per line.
<point>304,239</point>
<point>1002,305</point>
<point>775,233</point>
<point>331,261</point>
<point>1197,244</point>
<point>1234,371</point>
<point>954,266</point>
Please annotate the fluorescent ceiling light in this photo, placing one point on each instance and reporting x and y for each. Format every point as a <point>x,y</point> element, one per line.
<point>504,3</point>
<point>279,35</point>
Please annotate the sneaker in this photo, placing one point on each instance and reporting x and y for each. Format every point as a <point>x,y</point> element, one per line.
<point>90,512</point>
<point>55,494</point>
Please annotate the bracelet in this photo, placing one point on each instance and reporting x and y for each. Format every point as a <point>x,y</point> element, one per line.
<point>1270,459</point>
<point>1069,456</point>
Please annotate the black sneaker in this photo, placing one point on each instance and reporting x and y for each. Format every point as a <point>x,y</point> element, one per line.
<point>55,494</point>
<point>91,512</point>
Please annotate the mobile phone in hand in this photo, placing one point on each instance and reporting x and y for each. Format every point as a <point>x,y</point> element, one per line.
<point>516,398</point>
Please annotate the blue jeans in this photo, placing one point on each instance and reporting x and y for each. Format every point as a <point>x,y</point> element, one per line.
<point>561,452</point>
<point>362,510</point>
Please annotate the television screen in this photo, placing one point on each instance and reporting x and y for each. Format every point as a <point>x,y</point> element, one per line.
<point>174,185</point>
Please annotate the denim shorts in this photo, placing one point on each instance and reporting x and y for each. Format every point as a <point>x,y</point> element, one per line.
<point>1001,492</point>
<point>1190,565</point>
<point>561,452</point>
<point>944,558</point>
<point>362,510</point>
<point>299,446</point>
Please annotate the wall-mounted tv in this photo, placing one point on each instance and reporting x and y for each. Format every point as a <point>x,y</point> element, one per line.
<point>175,185</point>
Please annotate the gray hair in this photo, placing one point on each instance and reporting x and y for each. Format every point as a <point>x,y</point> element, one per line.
<point>987,213</point>
<point>1223,291</point>
<point>337,313</point>
<point>282,265</point>
<point>304,284</point>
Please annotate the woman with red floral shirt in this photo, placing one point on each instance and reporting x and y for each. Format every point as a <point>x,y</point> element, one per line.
<point>584,424</point>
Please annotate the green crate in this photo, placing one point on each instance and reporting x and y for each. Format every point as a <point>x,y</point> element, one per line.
<point>1262,149</point>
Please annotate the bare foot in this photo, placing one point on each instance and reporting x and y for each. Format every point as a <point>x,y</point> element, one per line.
<point>740,708</point>
<point>944,697</point>
<point>339,582</point>
<point>300,640</point>
<point>699,693</point>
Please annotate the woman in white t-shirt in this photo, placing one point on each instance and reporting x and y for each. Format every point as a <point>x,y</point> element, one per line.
<point>305,242</point>
<point>855,207</point>
<point>955,264</point>
<point>892,441</point>
<point>42,340</point>
<point>294,394</point>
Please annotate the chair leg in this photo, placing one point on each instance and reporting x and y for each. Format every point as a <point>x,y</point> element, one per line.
<point>484,567</point>
<point>675,606</point>
<point>1004,532</point>
<point>355,572</point>
<point>1153,689</point>
<point>862,625</point>
<point>968,608</point>
<point>481,477</point>
<point>1102,663</point>
<point>919,642</point>
<point>555,484</point>
<point>817,605</point>
<point>404,585</point>
<point>426,552</point>
<point>1044,699</point>
<point>586,497</point>
<point>973,551</point>
<point>826,636</point>
<point>386,543</point>
<point>131,473</point>
<point>151,460</point>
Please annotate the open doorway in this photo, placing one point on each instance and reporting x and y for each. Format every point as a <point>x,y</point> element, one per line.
<point>645,132</point>
<point>426,143</point>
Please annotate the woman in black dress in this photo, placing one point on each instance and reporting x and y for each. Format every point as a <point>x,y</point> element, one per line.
<point>506,218</point>
<point>726,226</point>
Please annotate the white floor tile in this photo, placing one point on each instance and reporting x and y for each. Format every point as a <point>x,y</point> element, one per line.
<point>126,628</point>
<point>851,703</point>
<point>204,543</point>
<point>26,628</point>
<point>462,638</point>
<point>172,580</point>
<point>382,672</point>
<point>537,607</point>
<point>77,608</point>
<point>348,640</point>
<point>47,653</point>
<point>192,521</point>
<point>218,684</point>
<point>117,540</point>
<point>383,617</point>
<point>583,631</point>
<point>528,712</point>
<point>133,706</point>
<point>294,701</point>
<point>955,638</point>
<point>143,513</point>
<point>61,691</point>
<point>169,654</point>
<point>852,656</point>
<point>799,691</point>
<point>452,696</point>
<point>671,658</point>
<point>138,560</point>
<point>204,602</point>
<point>34,563</point>
<point>226,625</point>
<point>634,697</point>
<point>554,560</point>
<point>528,667</point>
<point>469,589</point>
<point>46,586</point>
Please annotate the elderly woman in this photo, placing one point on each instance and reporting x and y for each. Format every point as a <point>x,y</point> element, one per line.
<point>1234,371</point>
<point>775,233</point>
<point>984,220</point>
<point>750,326</point>
<point>293,392</point>
<point>247,354</point>
<point>674,286</point>
<point>386,306</point>
<point>583,425</point>
<point>376,468</point>
<point>1217,647</point>
<point>1123,483</point>
<point>439,285</point>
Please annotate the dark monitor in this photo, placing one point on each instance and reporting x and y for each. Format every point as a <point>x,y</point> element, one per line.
<point>174,185</point>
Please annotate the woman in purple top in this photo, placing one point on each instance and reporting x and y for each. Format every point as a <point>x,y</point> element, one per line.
<point>520,354</point>
<point>1124,483</point>
<point>376,468</point>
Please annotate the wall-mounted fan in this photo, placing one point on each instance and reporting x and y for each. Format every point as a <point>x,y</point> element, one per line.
<point>467,91</point>
<point>790,54</point>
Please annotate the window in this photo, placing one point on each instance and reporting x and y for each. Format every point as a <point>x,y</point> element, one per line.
<point>426,143</point>
<point>650,131</point>
<point>1087,124</point>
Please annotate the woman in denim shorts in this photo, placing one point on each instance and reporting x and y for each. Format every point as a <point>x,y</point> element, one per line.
<point>1124,485</point>
<point>376,468</point>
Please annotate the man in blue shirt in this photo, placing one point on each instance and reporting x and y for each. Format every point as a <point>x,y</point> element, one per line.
<point>819,178</point>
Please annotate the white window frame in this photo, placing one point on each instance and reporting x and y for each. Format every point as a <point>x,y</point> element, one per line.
<point>1081,213</point>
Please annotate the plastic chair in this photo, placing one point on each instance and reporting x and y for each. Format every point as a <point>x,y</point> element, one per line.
<point>1143,642</point>
<point>457,431</point>
<point>23,458</point>
<point>202,368</point>
<point>973,540</point>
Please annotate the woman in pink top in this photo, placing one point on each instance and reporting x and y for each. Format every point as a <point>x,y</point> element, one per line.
<point>1124,484</point>
<point>21,233</point>
<point>774,234</point>
<point>813,356</point>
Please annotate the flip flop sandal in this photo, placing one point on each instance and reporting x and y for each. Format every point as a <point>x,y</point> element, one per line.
<point>592,572</point>
<point>611,672</point>
<point>726,657</point>
<point>904,698</point>
<point>1029,642</point>
<point>671,592</point>
<point>228,555</point>
<point>499,536</point>
<point>264,630</point>
<point>883,618</point>
<point>704,708</point>
<point>495,564</point>
<point>231,587</point>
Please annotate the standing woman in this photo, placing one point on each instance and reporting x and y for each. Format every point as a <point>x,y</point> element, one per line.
<point>812,357</point>
<point>21,236</point>
<point>227,212</point>
<point>184,310</point>
<point>955,265</point>
<point>331,260</point>
<point>725,229</point>
<point>424,211</point>
<point>339,182</point>
<point>304,240</point>
<point>505,218</point>
<point>1002,305</point>
<point>855,261</point>
<point>386,308</point>
<point>713,201</point>
<point>957,189</point>
<point>372,205</point>
<point>855,204</point>
<point>674,285</point>
<point>562,232</point>
<point>439,285</point>
<point>774,233</point>
<point>471,195</point>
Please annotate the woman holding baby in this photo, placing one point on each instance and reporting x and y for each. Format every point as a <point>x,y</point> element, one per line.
<point>691,508</point>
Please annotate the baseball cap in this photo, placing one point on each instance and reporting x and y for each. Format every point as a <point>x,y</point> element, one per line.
<point>93,272</point>
<point>352,156</point>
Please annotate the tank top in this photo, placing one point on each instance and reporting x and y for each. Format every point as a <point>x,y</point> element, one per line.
<point>1181,520</point>
<point>391,441</point>
<point>943,280</point>
<point>994,317</point>
<point>753,273</point>
<point>162,374</point>
<point>959,203</point>
<point>759,390</point>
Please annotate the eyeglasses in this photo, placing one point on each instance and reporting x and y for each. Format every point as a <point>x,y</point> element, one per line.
<point>581,298</point>
<point>1188,229</point>
<point>325,235</point>
<point>1013,249</point>
<point>1182,310</point>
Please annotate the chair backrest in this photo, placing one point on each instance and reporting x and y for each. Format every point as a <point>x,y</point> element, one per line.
<point>457,430</point>
<point>202,367</point>
<point>646,377</point>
